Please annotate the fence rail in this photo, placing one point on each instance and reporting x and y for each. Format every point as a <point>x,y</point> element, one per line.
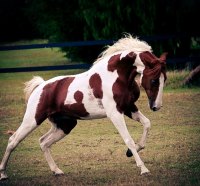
<point>86,43</point>
<point>45,68</point>
<point>52,45</point>
<point>79,44</point>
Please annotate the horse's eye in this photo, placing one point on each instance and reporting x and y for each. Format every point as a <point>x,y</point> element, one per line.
<point>155,82</point>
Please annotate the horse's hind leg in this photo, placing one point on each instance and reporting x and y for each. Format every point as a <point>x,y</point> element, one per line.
<point>45,144</point>
<point>27,126</point>
<point>59,130</point>
<point>47,134</point>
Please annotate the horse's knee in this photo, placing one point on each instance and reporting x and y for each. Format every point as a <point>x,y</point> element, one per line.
<point>147,124</point>
<point>130,143</point>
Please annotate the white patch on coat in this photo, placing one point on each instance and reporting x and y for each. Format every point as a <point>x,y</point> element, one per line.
<point>94,106</point>
<point>139,64</point>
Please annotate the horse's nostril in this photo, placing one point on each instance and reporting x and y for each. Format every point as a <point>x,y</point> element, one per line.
<point>154,108</point>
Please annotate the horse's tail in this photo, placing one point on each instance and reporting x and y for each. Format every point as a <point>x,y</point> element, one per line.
<point>31,85</point>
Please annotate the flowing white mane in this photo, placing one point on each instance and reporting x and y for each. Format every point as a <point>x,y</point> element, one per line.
<point>128,43</point>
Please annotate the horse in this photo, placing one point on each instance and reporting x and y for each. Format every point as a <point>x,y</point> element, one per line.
<point>107,89</point>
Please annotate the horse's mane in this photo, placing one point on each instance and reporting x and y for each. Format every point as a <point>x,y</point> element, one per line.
<point>127,43</point>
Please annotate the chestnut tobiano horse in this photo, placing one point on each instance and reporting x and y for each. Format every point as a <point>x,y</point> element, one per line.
<point>107,89</point>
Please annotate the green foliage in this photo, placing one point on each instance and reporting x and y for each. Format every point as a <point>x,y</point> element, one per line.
<point>90,20</point>
<point>13,22</point>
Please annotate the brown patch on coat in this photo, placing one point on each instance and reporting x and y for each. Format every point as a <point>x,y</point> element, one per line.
<point>78,96</point>
<point>95,83</point>
<point>52,101</point>
<point>63,122</point>
<point>76,110</point>
<point>125,89</point>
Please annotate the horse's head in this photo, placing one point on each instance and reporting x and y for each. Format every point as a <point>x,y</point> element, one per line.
<point>153,78</point>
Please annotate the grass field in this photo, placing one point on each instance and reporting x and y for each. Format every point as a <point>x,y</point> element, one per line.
<point>94,153</point>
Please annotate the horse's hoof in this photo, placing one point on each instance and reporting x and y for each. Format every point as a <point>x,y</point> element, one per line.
<point>129,153</point>
<point>58,172</point>
<point>146,174</point>
<point>145,171</point>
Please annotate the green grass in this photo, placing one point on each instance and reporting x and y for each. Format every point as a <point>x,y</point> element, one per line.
<point>175,78</point>
<point>33,57</point>
<point>94,152</point>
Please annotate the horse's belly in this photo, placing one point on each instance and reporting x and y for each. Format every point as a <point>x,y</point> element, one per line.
<point>95,116</point>
<point>95,110</point>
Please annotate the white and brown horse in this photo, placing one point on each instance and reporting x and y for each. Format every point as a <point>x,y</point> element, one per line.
<point>107,89</point>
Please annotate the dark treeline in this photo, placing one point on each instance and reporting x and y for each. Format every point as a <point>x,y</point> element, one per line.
<point>66,20</point>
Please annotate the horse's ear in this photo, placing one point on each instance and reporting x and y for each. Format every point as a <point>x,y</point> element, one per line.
<point>163,57</point>
<point>148,58</point>
<point>151,60</point>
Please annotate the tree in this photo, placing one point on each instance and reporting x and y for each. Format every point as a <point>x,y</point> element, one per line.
<point>193,77</point>
<point>64,20</point>
<point>14,24</point>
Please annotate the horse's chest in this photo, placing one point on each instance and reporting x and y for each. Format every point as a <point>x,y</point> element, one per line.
<point>125,96</point>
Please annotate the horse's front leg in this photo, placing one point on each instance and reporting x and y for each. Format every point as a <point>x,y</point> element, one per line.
<point>138,116</point>
<point>119,122</point>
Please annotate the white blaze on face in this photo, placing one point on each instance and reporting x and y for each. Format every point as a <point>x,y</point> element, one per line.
<point>158,101</point>
<point>140,80</point>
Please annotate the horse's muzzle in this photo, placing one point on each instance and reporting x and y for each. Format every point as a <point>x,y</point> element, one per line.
<point>153,105</point>
<point>155,108</point>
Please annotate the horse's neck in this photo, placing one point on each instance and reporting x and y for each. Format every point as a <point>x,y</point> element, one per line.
<point>98,66</point>
<point>139,64</point>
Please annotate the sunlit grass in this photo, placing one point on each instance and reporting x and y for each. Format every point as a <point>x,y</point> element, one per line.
<point>32,57</point>
<point>175,78</point>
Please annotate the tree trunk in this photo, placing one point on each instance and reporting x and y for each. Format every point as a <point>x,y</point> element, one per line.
<point>193,76</point>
